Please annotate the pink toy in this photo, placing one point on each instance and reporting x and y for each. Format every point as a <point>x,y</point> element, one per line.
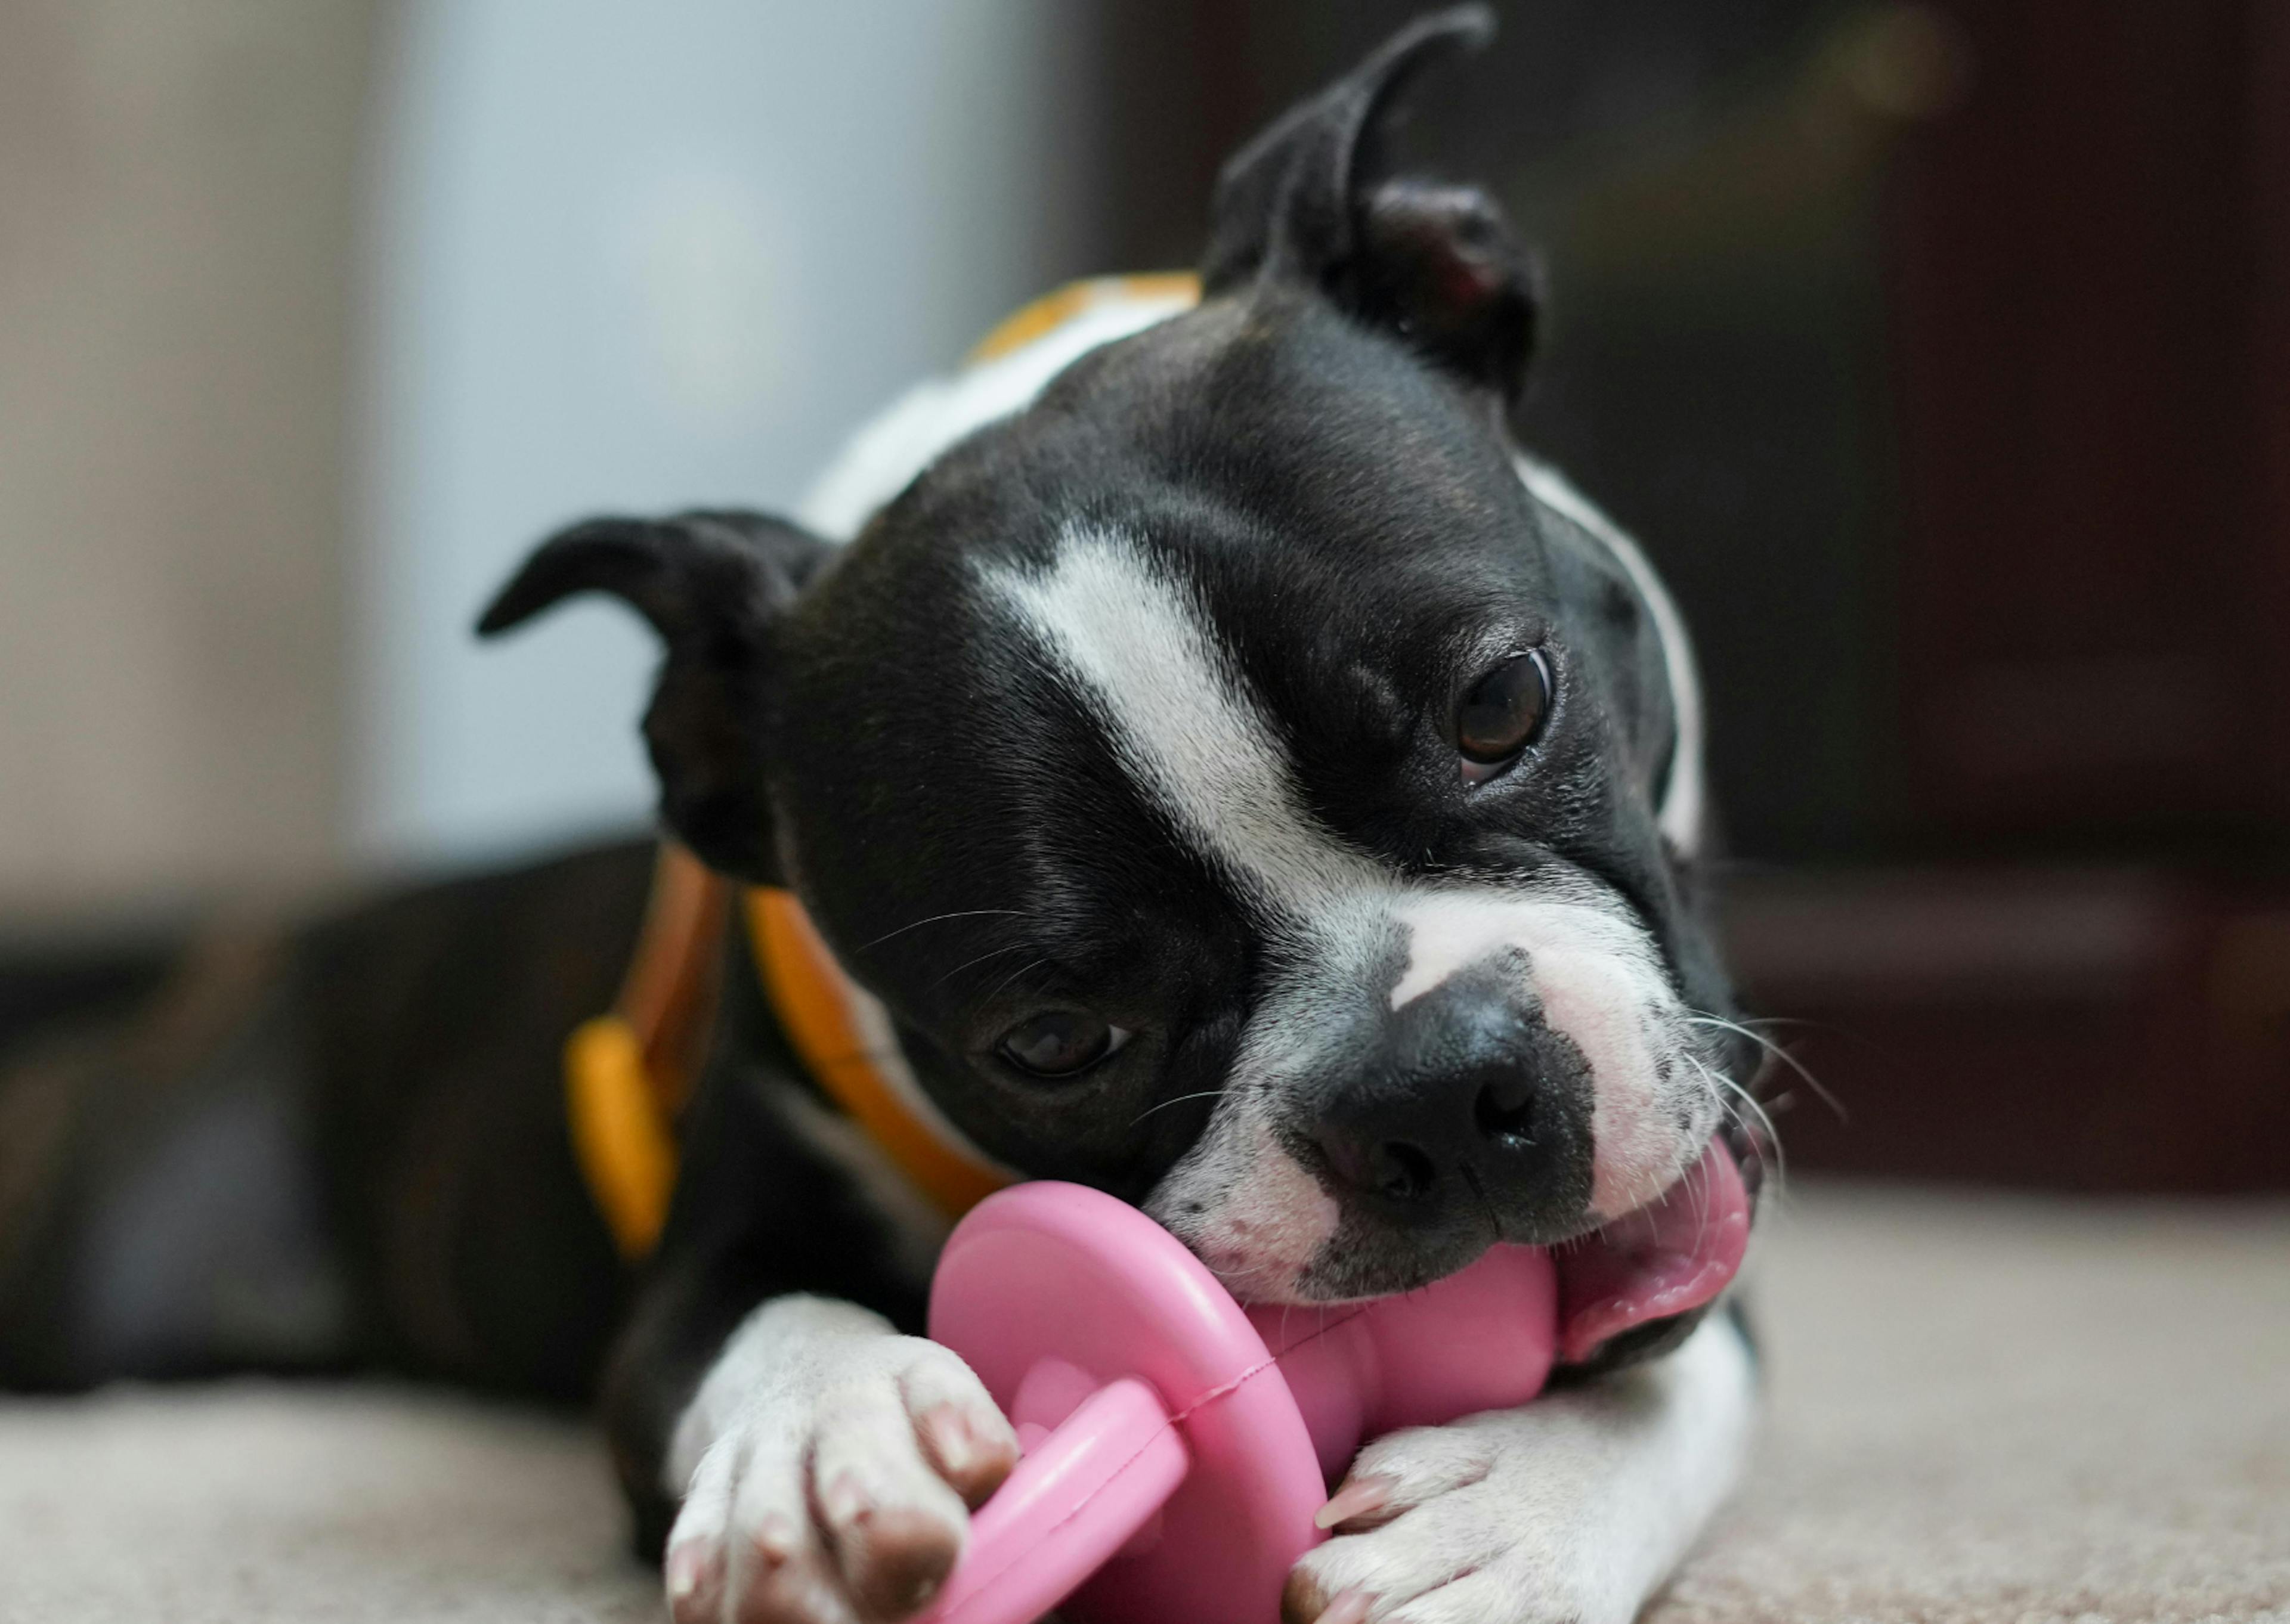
<point>1177,1445</point>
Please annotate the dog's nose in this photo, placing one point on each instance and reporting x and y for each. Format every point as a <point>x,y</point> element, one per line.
<point>1468,1106</point>
<point>1504,1107</point>
<point>1398,1139</point>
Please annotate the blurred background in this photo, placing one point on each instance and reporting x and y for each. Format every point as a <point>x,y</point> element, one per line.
<point>1940,354</point>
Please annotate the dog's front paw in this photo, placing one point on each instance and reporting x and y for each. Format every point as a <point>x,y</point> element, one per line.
<point>1475,1523</point>
<point>838,1485</point>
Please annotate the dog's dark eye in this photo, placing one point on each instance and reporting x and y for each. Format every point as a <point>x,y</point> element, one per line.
<point>1060,1043</point>
<point>1503,711</point>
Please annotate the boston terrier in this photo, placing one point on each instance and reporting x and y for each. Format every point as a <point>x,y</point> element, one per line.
<point>1200,756</point>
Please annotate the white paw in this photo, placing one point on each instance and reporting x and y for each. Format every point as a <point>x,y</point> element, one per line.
<point>1569,1511</point>
<point>828,1465</point>
<point>1474,1523</point>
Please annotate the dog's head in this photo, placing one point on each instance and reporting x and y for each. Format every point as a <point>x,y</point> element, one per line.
<point>1249,786</point>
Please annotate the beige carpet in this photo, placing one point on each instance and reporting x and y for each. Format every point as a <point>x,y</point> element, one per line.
<point>1984,1411</point>
<point>2013,1412</point>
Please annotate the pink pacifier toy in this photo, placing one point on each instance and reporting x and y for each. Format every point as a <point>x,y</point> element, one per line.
<point>1177,1445</point>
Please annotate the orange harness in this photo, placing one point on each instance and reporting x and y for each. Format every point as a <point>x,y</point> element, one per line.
<point>628,1073</point>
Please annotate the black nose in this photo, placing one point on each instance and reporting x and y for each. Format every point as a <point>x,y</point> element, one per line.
<point>1504,1106</point>
<point>1466,1107</point>
<point>1400,1129</point>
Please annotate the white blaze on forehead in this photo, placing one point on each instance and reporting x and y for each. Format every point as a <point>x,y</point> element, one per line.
<point>1133,635</point>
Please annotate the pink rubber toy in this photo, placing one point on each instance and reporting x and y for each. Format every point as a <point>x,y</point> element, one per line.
<point>1177,1445</point>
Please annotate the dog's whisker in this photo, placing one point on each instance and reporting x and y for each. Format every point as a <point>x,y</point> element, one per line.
<point>1206,1093</point>
<point>1699,1194</point>
<point>1025,969</point>
<point>1740,1106</point>
<point>1704,1019</point>
<point>959,913</point>
<point>972,963</point>
<point>1701,1207</point>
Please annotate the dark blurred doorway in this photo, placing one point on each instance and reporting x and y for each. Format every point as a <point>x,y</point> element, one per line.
<point>1941,355</point>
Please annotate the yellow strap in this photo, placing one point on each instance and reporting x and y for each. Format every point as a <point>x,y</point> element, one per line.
<point>620,1135</point>
<point>622,1128</point>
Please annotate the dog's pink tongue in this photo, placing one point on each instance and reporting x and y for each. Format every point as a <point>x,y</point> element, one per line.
<point>1659,1260</point>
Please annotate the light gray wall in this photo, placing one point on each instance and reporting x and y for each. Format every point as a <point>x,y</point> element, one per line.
<point>314,314</point>
<point>639,257</point>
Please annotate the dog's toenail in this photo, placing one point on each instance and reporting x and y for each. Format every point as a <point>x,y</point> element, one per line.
<point>1359,1497</point>
<point>687,1564</point>
<point>952,1439</point>
<point>773,1541</point>
<point>845,1502</point>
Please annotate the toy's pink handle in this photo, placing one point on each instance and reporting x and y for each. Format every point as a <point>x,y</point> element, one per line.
<point>1081,1493</point>
<point>1058,1297</point>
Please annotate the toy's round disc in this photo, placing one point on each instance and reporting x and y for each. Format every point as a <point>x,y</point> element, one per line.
<point>1056,1271</point>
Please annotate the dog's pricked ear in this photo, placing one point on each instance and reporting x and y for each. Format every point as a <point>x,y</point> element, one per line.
<point>1308,200</point>
<point>1289,200</point>
<point>1439,265</point>
<point>713,585</point>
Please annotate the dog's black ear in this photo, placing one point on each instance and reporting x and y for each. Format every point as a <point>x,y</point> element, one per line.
<point>713,585</point>
<point>1308,200</point>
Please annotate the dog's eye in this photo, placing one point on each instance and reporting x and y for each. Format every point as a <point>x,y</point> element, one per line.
<point>1502,713</point>
<point>1060,1043</point>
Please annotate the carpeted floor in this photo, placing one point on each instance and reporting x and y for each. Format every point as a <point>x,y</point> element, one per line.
<point>1984,1411</point>
<point>2013,1412</point>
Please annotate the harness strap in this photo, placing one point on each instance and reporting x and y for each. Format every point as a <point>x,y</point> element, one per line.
<point>628,1073</point>
<point>848,1044</point>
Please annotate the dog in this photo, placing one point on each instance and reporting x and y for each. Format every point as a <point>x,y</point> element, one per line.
<point>1194,753</point>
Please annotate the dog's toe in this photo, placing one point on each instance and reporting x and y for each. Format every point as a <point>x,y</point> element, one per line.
<point>745,1548</point>
<point>850,1503</point>
<point>968,1440</point>
<point>894,1523</point>
<point>1458,1524</point>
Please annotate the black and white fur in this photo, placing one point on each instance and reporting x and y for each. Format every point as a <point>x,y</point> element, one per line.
<point>1120,677</point>
<point>1133,695</point>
